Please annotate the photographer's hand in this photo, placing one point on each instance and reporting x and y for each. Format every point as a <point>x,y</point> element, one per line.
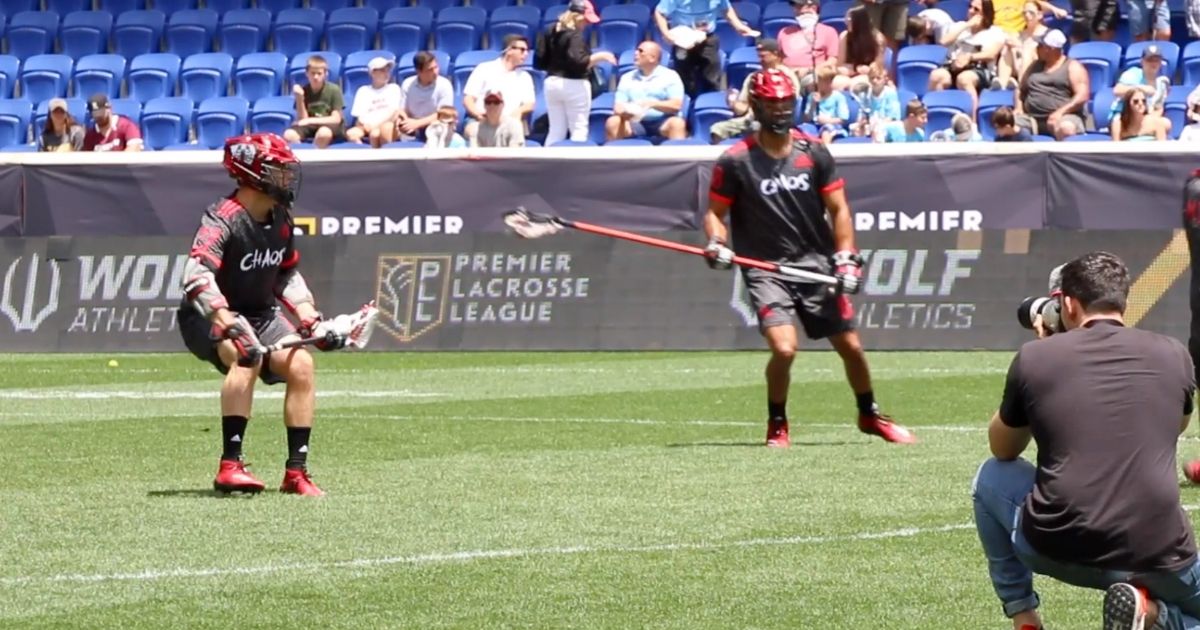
<point>1039,327</point>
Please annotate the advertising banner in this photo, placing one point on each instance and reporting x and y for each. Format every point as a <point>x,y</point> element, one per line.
<point>943,290</point>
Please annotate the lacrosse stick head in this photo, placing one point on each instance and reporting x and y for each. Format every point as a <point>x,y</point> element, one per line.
<point>526,224</point>
<point>358,326</point>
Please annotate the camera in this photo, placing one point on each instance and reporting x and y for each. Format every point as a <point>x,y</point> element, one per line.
<point>1049,307</point>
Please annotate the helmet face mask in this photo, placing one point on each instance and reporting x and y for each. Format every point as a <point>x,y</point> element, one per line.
<point>773,100</point>
<point>264,162</point>
<point>282,182</point>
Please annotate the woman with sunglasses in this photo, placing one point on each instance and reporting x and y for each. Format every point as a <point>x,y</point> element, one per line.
<point>1135,124</point>
<point>1021,49</point>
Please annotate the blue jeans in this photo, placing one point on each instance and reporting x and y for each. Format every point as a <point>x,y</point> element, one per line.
<point>999,491</point>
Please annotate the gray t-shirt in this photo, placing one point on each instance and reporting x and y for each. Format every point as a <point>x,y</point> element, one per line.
<point>509,133</point>
<point>419,101</point>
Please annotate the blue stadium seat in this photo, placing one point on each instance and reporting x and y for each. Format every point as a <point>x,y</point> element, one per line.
<point>206,76</point>
<point>625,63</point>
<point>459,29</point>
<point>550,15</point>
<point>15,115</point>
<point>1170,52</point>
<point>153,75</point>
<point>407,144</point>
<point>943,105</point>
<point>351,30</point>
<point>45,77</point>
<point>117,7</point>
<point>12,7</point>
<point>1175,108</point>
<point>775,16</point>
<point>834,14</point>
<point>184,146</point>
<point>438,5</point>
<point>405,29</point>
<point>914,65</point>
<point>244,31</point>
<point>171,6</point>
<point>191,31</point>
<point>990,101</point>
<point>32,33</point>
<point>709,108</point>
<point>622,26</point>
<point>354,69</point>
<point>630,142</point>
<point>957,9</point>
<point>220,118</point>
<point>138,32</point>
<point>730,39</point>
<point>63,7</point>
<point>404,67</point>
<point>329,6</point>
<point>259,74</point>
<point>847,140</point>
<point>96,74</point>
<point>1089,137</point>
<point>1191,63</point>
<point>273,114</point>
<point>466,62</point>
<point>602,108</point>
<point>383,6</point>
<point>492,5</point>
<point>512,20</point>
<point>85,33</point>
<point>564,144</point>
<point>542,5</point>
<point>1102,109</point>
<point>297,64</point>
<point>1041,138</point>
<point>128,108</point>
<point>278,6</point>
<point>76,106</point>
<point>684,142</point>
<point>297,30</point>
<point>742,63</point>
<point>225,6</point>
<point>10,68</point>
<point>1102,60</point>
<point>166,121</point>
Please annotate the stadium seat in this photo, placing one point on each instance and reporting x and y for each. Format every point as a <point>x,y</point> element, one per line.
<point>63,7</point>
<point>775,16</point>
<point>625,63</point>
<point>459,29</point>
<point>542,5</point>
<point>438,5</point>
<point>1191,63</point>
<point>1102,60</point>
<point>297,30</point>
<point>273,114</point>
<point>750,14</point>
<point>354,69</point>
<point>574,144</point>
<point>491,6</point>
<point>275,7</point>
<point>512,20</point>
<point>117,7</point>
<point>833,14</point>
<point>223,7</point>
<point>1102,109</point>
<point>630,142</point>
<point>622,26</point>
<point>602,108</point>
<point>708,109</point>
<point>1090,136</point>
<point>220,118</point>
<point>166,121</point>
<point>943,105</point>
<point>10,68</point>
<point>297,64</point>
<point>259,74</point>
<point>184,146</point>
<point>853,140</point>
<point>742,63</point>
<point>85,33</point>
<point>550,15</point>
<point>329,6</point>
<point>405,29</point>
<point>171,6</point>
<point>12,7</point>
<point>206,76</point>
<point>684,142</point>
<point>466,62</point>
<point>351,30</point>
<point>405,144</point>
<point>32,33</point>
<point>1175,109</point>
<point>153,76</point>
<point>244,31</point>
<point>45,77</point>
<point>383,6</point>
<point>128,108</point>
<point>138,32</point>
<point>404,67</point>
<point>914,65</point>
<point>1170,53</point>
<point>990,101</point>
<point>15,115</point>
<point>76,106</point>
<point>99,74</point>
<point>191,31</point>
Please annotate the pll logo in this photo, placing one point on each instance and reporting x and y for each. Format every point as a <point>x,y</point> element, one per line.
<point>794,182</point>
<point>262,259</point>
<point>19,298</point>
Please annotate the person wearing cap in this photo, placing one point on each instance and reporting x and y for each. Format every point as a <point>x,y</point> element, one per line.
<point>1053,91</point>
<point>1147,78</point>
<point>648,99</point>
<point>807,44</point>
<point>110,132</point>
<point>496,129</point>
<point>61,133</point>
<point>505,75</point>
<point>962,129</point>
<point>564,54</point>
<point>318,107</point>
<point>739,102</point>
<point>690,27</point>
<point>422,95</point>
<point>376,106</point>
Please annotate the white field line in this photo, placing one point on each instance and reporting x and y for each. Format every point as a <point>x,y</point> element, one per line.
<point>468,556</point>
<point>65,394</point>
<point>798,425</point>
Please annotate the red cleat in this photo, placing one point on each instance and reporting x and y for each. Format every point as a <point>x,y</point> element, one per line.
<point>882,425</point>
<point>233,477</point>
<point>777,434</point>
<point>296,481</point>
<point>1191,470</point>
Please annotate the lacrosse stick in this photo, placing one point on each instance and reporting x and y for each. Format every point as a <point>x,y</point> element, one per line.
<point>530,225</point>
<point>356,328</point>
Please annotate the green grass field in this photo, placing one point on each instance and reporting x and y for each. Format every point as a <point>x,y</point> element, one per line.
<point>489,490</point>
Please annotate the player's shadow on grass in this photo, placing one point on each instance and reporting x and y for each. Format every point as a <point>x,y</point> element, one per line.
<point>759,444</point>
<point>206,493</point>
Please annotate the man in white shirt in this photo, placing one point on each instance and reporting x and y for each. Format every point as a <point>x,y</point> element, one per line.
<point>503,75</point>
<point>422,95</point>
<point>376,106</point>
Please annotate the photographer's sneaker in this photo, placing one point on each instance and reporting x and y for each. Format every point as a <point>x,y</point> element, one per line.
<point>1125,607</point>
<point>232,476</point>
<point>1191,470</point>
<point>296,481</point>
<point>881,424</point>
<point>777,434</point>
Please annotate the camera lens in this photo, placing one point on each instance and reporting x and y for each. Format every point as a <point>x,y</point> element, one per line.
<point>1030,308</point>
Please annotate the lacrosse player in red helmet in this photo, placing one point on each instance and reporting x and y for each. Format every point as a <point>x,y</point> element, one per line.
<point>243,264</point>
<point>786,204</point>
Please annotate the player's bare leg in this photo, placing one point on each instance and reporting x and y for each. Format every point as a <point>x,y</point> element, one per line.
<point>783,342</point>
<point>858,373</point>
<point>299,403</point>
<point>237,397</point>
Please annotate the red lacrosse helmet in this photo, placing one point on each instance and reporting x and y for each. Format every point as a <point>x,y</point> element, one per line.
<point>264,162</point>
<point>773,100</point>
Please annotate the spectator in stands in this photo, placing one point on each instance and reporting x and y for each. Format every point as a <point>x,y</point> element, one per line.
<point>962,129</point>
<point>928,26</point>
<point>442,134</point>
<point>1094,20</point>
<point>975,46</point>
<point>911,129</point>
<point>1192,13</point>
<point>110,132</point>
<point>1012,18</point>
<point>497,130</point>
<point>61,133</point>
<point>1020,49</point>
<point>1149,19</point>
<point>1053,90</point>
<point>377,106</point>
<point>422,95</point>
<point>878,106</point>
<point>1147,79</point>
<point>564,54</point>
<point>689,26</point>
<point>1135,123</point>
<point>1191,133</point>
<point>1006,127</point>
<point>318,107</point>
<point>504,75</point>
<point>739,102</point>
<point>808,44</point>
<point>859,48</point>
<point>827,108</point>
<point>890,17</point>
<point>648,100</point>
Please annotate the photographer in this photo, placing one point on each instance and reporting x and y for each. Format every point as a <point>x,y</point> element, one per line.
<point>1105,405</point>
<point>1191,225</point>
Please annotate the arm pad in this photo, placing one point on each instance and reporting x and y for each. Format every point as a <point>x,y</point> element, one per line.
<point>200,288</point>
<point>293,291</point>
